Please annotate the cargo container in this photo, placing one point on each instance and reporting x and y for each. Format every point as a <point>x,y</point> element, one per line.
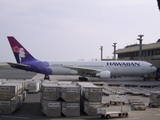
<point>19,89</point>
<point>9,106</point>
<point>90,108</point>
<point>70,93</point>
<point>24,95</point>
<point>40,82</point>
<point>8,91</point>
<point>20,97</point>
<point>71,108</point>
<point>130,101</point>
<point>20,82</point>
<point>2,80</point>
<point>115,99</point>
<point>106,92</point>
<point>154,99</point>
<point>24,83</point>
<point>51,108</point>
<point>91,92</point>
<point>50,81</point>
<point>83,83</point>
<point>50,91</point>
<point>27,81</point>
<point>65,82</point>
<point>33,87</point>
<point>105,101</point>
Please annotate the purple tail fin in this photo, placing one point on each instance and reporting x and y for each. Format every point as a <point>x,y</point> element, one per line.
<point>20,53</point>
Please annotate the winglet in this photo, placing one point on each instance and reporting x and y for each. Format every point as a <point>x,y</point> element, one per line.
<point>20,53</point>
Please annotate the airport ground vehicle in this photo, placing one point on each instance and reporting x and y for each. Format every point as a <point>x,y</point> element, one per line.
<point>105,101</point>
<point>154,99</point>
<point>115,99</point>
<point>119,111</point>
<point>138,106</point>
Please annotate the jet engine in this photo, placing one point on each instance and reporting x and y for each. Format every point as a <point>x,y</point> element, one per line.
<point>104,74</point>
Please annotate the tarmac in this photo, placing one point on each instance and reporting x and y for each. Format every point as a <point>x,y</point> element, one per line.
<point>11,73</point>
<point>31,108</point>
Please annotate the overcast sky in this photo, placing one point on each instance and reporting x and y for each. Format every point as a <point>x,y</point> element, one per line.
<point>75,29</point>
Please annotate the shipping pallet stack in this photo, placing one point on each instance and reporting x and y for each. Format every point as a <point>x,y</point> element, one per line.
<point>91,97</point>
<point>50,94</point>
<point>70,95</point>
<point>60,97</point>
<point>34,86</point>
<point>12,95</point>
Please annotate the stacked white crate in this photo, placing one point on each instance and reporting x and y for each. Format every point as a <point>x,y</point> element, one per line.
<point>64,82</point>
<point>51,108</point>
<point>11,96</point>
<point>50,93</point>
<point>2,80</point>
<point>91,97</point>
<point>71,108</point>
<point>27,81</point>
<point>33,86</point>
<point>39,81</point>
<point>71,95</point>
<point>22,83</point>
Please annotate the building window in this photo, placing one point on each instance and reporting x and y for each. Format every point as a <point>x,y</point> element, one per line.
<point>154,52</point>
<point>158,51</point>
<point>132,54</point>
<point>151,52</point>
<point>144,53</point>
<point>148,52</point>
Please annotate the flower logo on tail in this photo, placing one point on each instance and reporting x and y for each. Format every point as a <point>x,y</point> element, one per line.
<point>16,49</point>
<point>19,53</point>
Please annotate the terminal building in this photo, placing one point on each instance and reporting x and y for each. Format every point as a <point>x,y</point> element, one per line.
<point>149,53</point>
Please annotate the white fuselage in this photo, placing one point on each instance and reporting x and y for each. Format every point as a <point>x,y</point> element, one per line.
<point>116,68</point>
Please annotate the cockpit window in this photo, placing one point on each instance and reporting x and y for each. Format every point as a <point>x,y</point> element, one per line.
<point>151,65</point>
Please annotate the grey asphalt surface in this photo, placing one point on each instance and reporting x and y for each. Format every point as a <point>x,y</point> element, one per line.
<point>11,73</point>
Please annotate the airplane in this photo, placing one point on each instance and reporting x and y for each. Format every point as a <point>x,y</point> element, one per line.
<point>101,69</point>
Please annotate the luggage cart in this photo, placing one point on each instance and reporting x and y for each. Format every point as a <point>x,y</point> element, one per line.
<point>122,111</point>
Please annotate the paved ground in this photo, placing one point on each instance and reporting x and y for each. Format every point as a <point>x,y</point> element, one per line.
<point>11,73</point>
<point>31,108</point>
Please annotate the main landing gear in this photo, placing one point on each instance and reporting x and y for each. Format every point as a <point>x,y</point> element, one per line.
<point>83,79</point>
<point>46,77</point>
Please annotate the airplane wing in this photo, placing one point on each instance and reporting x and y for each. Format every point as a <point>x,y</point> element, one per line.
<point>83,70</point>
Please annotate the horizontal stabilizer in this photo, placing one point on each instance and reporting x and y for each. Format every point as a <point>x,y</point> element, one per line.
<point>19,66</point>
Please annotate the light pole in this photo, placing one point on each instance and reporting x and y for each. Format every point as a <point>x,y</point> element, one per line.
<point>101,48</point>
<point>114,45</point>
<point>140,45</point>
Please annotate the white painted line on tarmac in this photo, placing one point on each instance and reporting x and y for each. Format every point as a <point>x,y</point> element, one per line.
<point>157,115</point>
<point>15,117</point>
